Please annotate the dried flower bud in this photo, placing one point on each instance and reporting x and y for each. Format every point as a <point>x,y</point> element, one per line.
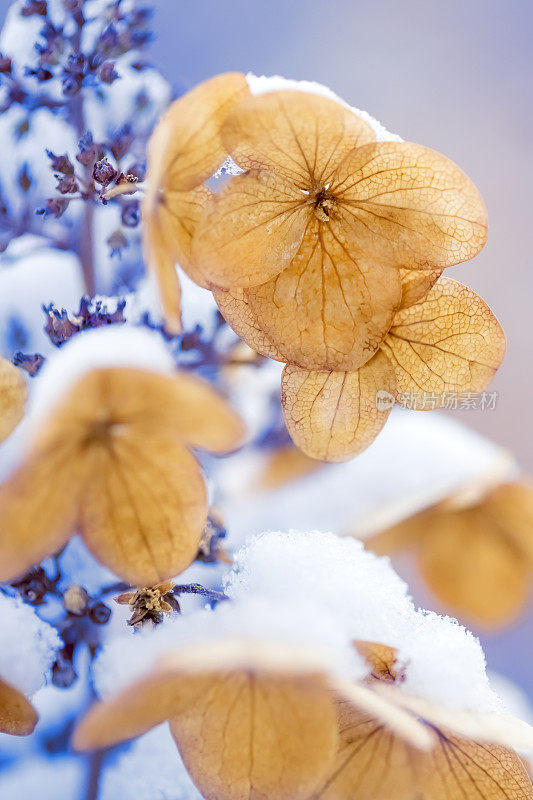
<point>117,242</point>
<point>137,170</point>
<point>71,85</point>
<point>24,178</point>
<point>108,40</point>
<point>100,613</point>
<point>34,586</point>
<point>61,164</point>
<point>76,64</point>
<point>63,672</point>
<point>107,72</point>
<point>76,600</point>
<point>88,151</point>
<point>104,172</point>
<point>32,363</point>
<point>55,207</point>
<point>68,185</point>
<point>6,66</point>
<point>121,142</point>
<point>131,214</point>
<point>33,7</point>
<point>59,326</point>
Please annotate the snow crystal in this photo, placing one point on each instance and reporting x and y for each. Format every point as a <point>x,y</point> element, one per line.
<point>275,83</point>
<point>27,645</point>
<point>443,661</point>
<point>150,768</point>
<point>417,460</point>
<point>33,274</point>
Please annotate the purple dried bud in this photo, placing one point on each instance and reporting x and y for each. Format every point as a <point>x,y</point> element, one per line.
<point>76,64</point>
<point>88,151</point>
<point>117,242</point>
<point>107,72</point>
<point>35,7</point>
<point>55,207</point>
<point>61,164</point>
<point>121,142</point>
<point>6,65</point>
<point>73,6</point>
<point>100,613</point>
<point>63,672</point>
<point>70,85</point>
<point>31,362</point>
<point>131,214</point>
<point>108,39</point>
<point>24,178</point>
<point>68,185</point>
<point>140,16</point>
<point>104,172</point>
<point>137,170</point>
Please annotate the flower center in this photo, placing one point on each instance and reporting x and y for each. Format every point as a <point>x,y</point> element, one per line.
<point>323,204</point>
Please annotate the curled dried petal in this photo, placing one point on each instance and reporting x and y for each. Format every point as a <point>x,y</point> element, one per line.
<point>297,135</point>
<point>416,283</point>
<point>380,658</point>
<point>17,715</point>
<point>13,397</point>
<point>329,309</point>
<point>409,205</point>
<point>249,231</point>
<point>450,341</point>
<point>335,415</point>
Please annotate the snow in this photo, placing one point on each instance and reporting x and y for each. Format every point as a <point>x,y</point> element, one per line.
<point>275,83</point>
<point>443,661</point>
<point>418,459</point>
<point>33,274</point>
<point>43,779</point>
<point>151,769</point>
<point>28,645</point>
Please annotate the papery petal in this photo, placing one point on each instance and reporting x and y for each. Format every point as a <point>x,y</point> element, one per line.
<point>409,205</point>
<point>162,265</point>
<point>235,309</point>
<point>145,508</point>
<point>250,230</point>
<point>381,659</point>
<point>328,309</point>
<point>510,508</point>
<point>448,342</point>
<point>17,715</point>
<point>13,397</point>
<point>298,135</point>
<point>473,568</point>
<point>38,506</point>
<point>335,415</point>
<point>416,283</point>
<point>185,148</point>
<point>283,465</point>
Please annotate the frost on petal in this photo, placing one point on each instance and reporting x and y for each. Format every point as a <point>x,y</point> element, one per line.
<point>17,715</point>
<point>296,135</point>
<point>250,230</point>
<point>185,148</point>
<point>416,283</point>
<point>329,309</point>
<point>13,398</point>
<point>335,415</point>
<point>410,206</point>
<point>144,508</point>
<point>450,341</point>
<point>236,310</point>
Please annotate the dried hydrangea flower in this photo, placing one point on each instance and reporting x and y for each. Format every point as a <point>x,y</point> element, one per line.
<point>258,720</point>
<point>184,150</point>
<point>448,342</point>
<point>316,229</point>
<point>476,556</point>
<point>17,715</point>
<point>13,398</point>
<point>113,459</point>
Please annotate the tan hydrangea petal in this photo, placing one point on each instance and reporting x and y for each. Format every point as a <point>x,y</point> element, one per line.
<point>416,283</point>
<point>375,764</point>
<point>328,309</point>
<point>235,309</point>
<point>250,230</point>
<point>38,507</point>
<point>509,507</point>
<point>185,148</point>
<point>283,465</point>
<point>408,205</point>
<point>474,570</point>
<point>381,659</point>
<point>399,537</point>
<point>17,715</point>
<point>178,406</point>
<point>448,342</point>
<point>13,397</point>
<point>145,507</point>
<point>335,415</point>
<point>298,135</point>
<point>169,223</point>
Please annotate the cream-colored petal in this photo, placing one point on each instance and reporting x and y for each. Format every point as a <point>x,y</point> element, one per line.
<point>509,507</point>
<point>298,135</point>
<point>145,508</point>
<point>450,341</point>
<point>38,507</point>
<point>328,310</point>
<point>236,310</point>
<point>410,206</point>
<point>17,715</point>
<point>162,266</point>
<point>13,397</point>
<point>250,230</point>
<point>416,283</point>
<point>185,148</point>
<point>335,415</point>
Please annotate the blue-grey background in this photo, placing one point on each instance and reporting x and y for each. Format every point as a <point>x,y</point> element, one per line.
<point>455,75</point>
